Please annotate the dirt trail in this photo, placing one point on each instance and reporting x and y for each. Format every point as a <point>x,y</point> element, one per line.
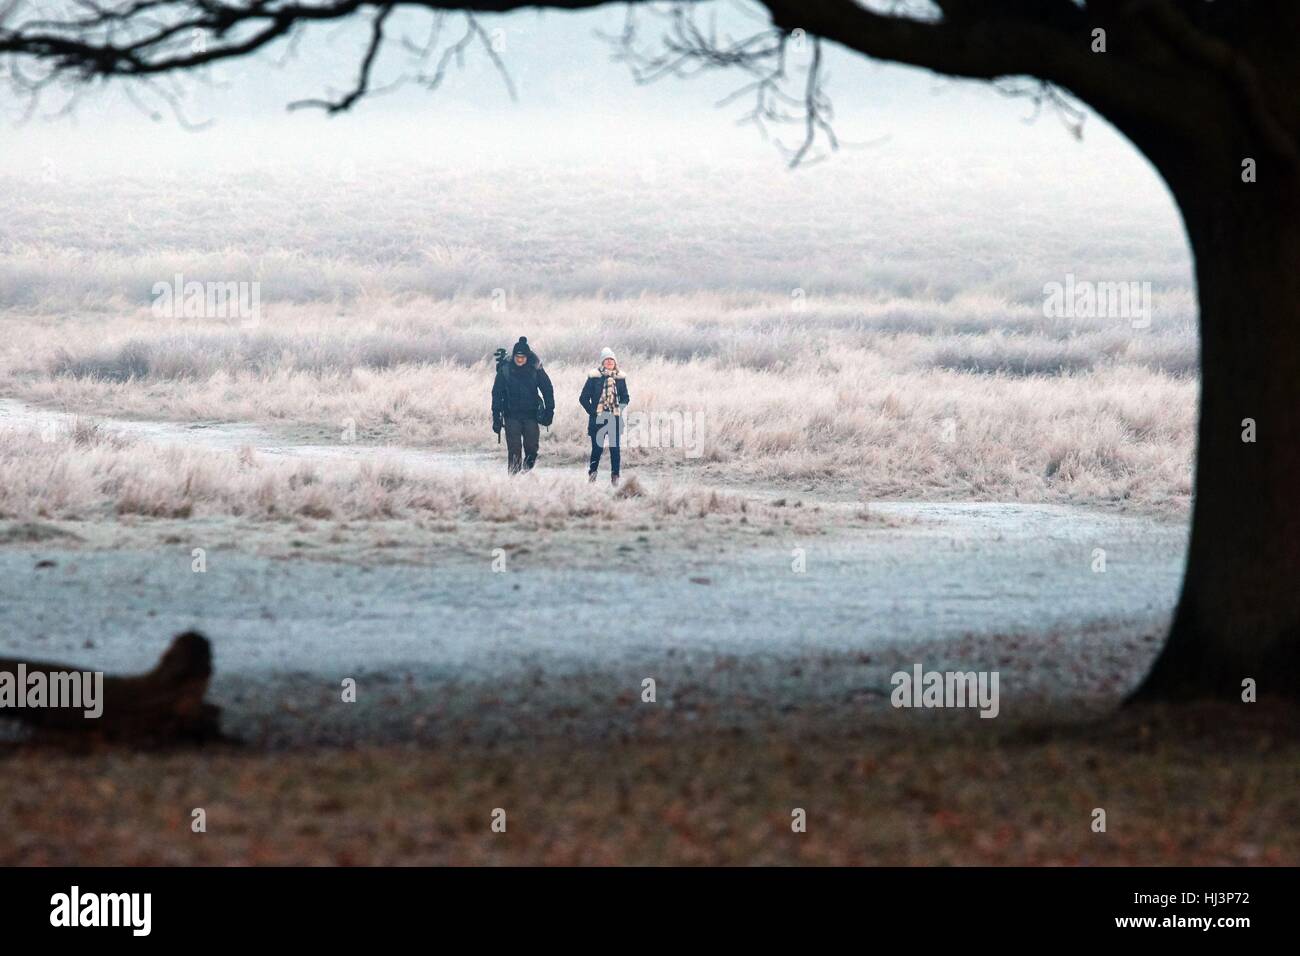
<point>232,436</point>
<point>1001,586</point>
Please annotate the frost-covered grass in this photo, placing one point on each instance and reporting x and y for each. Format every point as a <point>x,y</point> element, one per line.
<point>890,226</point>
<point>826,328</point>
<point>836,394</point>
<point>89,473</point>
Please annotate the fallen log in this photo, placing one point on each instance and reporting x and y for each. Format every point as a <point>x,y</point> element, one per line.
<point>164,705</point>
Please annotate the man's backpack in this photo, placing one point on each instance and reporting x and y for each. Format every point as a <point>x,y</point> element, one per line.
<point>502,361</point>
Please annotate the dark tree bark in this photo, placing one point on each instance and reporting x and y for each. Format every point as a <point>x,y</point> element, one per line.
<point>1239,613</point>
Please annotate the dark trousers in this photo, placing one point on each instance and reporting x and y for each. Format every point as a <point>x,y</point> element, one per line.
<point>609,432</point>
<point>521,443</point>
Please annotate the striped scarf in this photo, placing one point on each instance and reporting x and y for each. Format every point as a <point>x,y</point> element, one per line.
<point>609,392</point>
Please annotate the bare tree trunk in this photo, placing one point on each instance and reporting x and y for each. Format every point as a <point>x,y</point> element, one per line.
<point>1239,613</point>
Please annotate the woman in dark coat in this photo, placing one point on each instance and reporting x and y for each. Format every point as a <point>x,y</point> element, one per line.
<point>604,397</point>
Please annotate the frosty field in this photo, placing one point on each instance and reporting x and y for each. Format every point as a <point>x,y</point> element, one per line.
<point>837,342</point>
<point>897,456</point>
<point>844,332</point>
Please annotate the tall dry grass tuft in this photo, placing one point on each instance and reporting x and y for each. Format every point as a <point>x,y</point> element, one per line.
<point>90,473</point>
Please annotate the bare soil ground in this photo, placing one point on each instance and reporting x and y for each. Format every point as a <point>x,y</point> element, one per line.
<point>1180,786</point>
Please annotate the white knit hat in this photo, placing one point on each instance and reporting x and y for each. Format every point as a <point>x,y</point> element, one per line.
<point>607,353</point>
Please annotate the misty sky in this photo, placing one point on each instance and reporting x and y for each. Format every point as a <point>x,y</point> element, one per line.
<point>573,103</point>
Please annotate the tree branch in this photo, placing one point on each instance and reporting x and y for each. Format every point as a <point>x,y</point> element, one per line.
<point>363,80</point>
<point>1151,78</point>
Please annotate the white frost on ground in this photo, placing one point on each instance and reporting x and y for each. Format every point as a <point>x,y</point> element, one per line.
<point>963,585</point>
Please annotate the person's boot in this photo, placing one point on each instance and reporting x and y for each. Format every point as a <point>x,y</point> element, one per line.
<point>591,477</point>
<point>613,480</point>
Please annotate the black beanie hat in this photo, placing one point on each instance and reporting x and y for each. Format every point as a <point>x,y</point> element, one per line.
<point>521,347</point>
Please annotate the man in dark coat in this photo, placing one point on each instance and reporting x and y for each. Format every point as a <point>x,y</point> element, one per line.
<point>522,399</point>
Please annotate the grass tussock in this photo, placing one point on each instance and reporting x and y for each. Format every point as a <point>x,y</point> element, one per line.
<point>86,473</point>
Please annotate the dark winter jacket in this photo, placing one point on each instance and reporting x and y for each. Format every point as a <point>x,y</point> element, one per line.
<point>523,392</point>
<point>590,396</point>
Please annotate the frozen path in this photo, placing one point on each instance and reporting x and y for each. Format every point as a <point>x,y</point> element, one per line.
<point>233,436</point>
<point>1003,587</point>
<point>968,569</point>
